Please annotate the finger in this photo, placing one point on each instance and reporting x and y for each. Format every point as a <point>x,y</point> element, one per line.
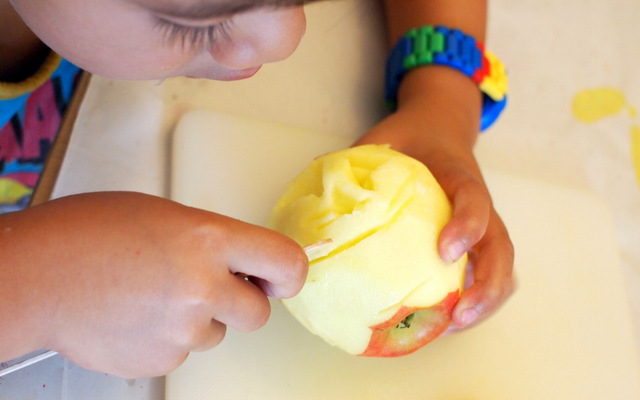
<point>240,304</point>
<point>493,281</point>
<point>212,336</point>
<point>279,263</point>
<point>468,224</point>
<point>195,332</point>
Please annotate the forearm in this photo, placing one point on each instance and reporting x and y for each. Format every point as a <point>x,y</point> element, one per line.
<point>467,15</point>
<point>437,103</point>
<point>23,289</point>
<point>437,121</point>
<point>128,284</point>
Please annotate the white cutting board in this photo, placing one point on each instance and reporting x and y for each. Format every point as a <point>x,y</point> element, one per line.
<point>565,334</point>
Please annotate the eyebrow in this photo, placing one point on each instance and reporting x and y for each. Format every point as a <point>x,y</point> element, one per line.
<point>205,9</point>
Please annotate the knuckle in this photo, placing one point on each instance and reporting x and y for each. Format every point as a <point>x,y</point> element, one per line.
<point>492,298</point>
<point>296,274</point>
<point>189,336</point>
<point>200,295</point>
<point>172,364</point>
<point>510,285</point>
<point>292,272</point>
<point>218,332</point>
<point>479,189</point>
<point>262,318</point>
<point>498,293</point>
<point>202,336</point>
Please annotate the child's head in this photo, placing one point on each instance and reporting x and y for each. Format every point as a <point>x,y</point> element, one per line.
<point>153,39</point>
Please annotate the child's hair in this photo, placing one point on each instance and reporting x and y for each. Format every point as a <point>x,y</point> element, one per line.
<point>245,5</point>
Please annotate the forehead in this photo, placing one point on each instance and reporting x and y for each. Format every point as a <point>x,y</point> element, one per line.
<point>212,8</point>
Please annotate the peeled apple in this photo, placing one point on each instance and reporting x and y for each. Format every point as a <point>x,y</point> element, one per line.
<point>377,286</point>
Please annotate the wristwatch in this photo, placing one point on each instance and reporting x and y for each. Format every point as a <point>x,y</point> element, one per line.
<point>439,45</point>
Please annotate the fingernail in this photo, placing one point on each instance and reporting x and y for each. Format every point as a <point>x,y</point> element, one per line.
<point>455,250</point>
<point>468,316</point>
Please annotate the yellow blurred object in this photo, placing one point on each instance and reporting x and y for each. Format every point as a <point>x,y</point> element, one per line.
<point>495,84</point>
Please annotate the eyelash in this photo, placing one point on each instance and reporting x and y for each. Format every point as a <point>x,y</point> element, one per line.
<point>191,37</point>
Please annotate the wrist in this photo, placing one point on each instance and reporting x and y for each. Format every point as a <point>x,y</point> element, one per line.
<point>430,46</point>
<point>443,103</point>
<point>27,285</point>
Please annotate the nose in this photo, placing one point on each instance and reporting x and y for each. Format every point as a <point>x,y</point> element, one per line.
<point>260,36</point>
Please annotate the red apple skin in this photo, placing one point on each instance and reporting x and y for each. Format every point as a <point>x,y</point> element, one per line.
<point>388,340</point>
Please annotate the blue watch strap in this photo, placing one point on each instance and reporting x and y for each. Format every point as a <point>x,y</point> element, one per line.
<point>439,45</point>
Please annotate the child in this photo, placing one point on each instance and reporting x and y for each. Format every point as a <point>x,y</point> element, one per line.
<point>128,283</point>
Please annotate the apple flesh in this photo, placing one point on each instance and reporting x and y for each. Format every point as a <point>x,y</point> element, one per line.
<point>379,288</point>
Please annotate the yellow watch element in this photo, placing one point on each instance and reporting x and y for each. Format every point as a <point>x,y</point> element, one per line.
<point>495,83</point>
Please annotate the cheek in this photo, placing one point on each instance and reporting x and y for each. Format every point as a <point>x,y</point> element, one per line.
<point>122,62</point>
<point>107,41</point>
<point>129,54</point>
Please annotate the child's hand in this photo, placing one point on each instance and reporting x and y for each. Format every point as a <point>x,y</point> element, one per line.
<point>477,228</point>
<point>435,125</point>
<point>129,284</point>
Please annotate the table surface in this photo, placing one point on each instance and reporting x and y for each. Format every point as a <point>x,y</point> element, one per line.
<point>122,134</point>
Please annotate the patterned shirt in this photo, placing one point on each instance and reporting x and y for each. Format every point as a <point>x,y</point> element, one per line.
<point>31,112</point>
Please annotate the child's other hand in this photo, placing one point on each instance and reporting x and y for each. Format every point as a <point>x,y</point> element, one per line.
<point>132,283</point>
<point>439,131</point>
<point>475,228</point>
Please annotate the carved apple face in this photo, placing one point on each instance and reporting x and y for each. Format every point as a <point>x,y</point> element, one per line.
<point>379,288</point>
